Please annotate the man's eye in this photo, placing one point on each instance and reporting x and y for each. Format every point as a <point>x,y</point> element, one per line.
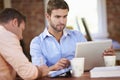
<point>65,16</point>
<point>57,16</point>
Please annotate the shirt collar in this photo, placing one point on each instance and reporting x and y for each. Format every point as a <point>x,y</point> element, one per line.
<point>46,33</point>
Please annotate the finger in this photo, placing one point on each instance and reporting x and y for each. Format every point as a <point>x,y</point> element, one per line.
<point>64,61</point>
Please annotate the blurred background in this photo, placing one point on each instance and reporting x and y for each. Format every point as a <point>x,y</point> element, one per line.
<point>101,17</point>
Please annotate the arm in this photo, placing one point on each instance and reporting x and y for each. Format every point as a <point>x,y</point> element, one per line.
<point>38,58</point>
<point>36,52</point>
<point>42,71</point>
<point>61,64</point>
<point>13,54</point>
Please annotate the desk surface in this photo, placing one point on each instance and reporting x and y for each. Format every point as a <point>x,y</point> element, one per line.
<point>85,76</point>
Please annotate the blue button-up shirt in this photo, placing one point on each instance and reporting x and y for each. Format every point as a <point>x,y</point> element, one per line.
<point>45,49</point>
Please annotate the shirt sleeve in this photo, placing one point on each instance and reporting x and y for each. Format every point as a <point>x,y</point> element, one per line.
<point>79,36</point>
<point>36,52</point>
<point>12,52</point>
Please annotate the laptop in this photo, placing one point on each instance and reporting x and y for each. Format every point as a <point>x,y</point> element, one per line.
<point>92,51</point>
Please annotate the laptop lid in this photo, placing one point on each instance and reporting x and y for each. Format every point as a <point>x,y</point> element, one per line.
<point>92,51</point>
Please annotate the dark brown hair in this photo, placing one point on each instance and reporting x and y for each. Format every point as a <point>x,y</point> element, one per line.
<point>56,4</point>
<point>8,14</point>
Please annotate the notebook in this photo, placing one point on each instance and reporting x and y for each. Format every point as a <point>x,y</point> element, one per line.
<point>92,51</point>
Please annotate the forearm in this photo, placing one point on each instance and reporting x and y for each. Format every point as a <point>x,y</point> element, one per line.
<point>14,56</point>
<point>42,71</point>
<point>39,73</point>
<point>52,68</point>
<point>28,72</point>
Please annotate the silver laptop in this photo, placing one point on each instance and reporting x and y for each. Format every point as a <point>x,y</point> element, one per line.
<point>92,52</point>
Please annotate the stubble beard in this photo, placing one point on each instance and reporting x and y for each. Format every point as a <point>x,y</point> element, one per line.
<point>57,28</point>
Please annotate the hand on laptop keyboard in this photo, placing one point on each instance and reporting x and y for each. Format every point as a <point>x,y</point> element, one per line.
<point>62,72</point>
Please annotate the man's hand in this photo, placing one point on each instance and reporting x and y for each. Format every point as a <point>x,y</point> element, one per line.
<point>62,63</point>
<point>43,71</point>
<point>109,51</point>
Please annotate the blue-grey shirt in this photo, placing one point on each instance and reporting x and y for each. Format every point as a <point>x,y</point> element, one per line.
<point>45,49</point>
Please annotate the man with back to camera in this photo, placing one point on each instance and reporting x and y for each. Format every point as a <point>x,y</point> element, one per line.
<point>12,58</point>
<point>55,46</point>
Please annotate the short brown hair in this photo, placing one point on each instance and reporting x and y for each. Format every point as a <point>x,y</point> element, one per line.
<point>8,14</point>
<point>56,4</point>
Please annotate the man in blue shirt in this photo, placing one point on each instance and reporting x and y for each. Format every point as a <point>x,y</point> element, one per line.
<point>56,45</point>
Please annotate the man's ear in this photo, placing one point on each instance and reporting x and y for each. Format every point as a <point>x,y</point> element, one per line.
<point>47,15</point>
<point>15,22</point>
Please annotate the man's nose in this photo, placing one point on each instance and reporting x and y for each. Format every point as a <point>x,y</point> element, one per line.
<point>62,20</point>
